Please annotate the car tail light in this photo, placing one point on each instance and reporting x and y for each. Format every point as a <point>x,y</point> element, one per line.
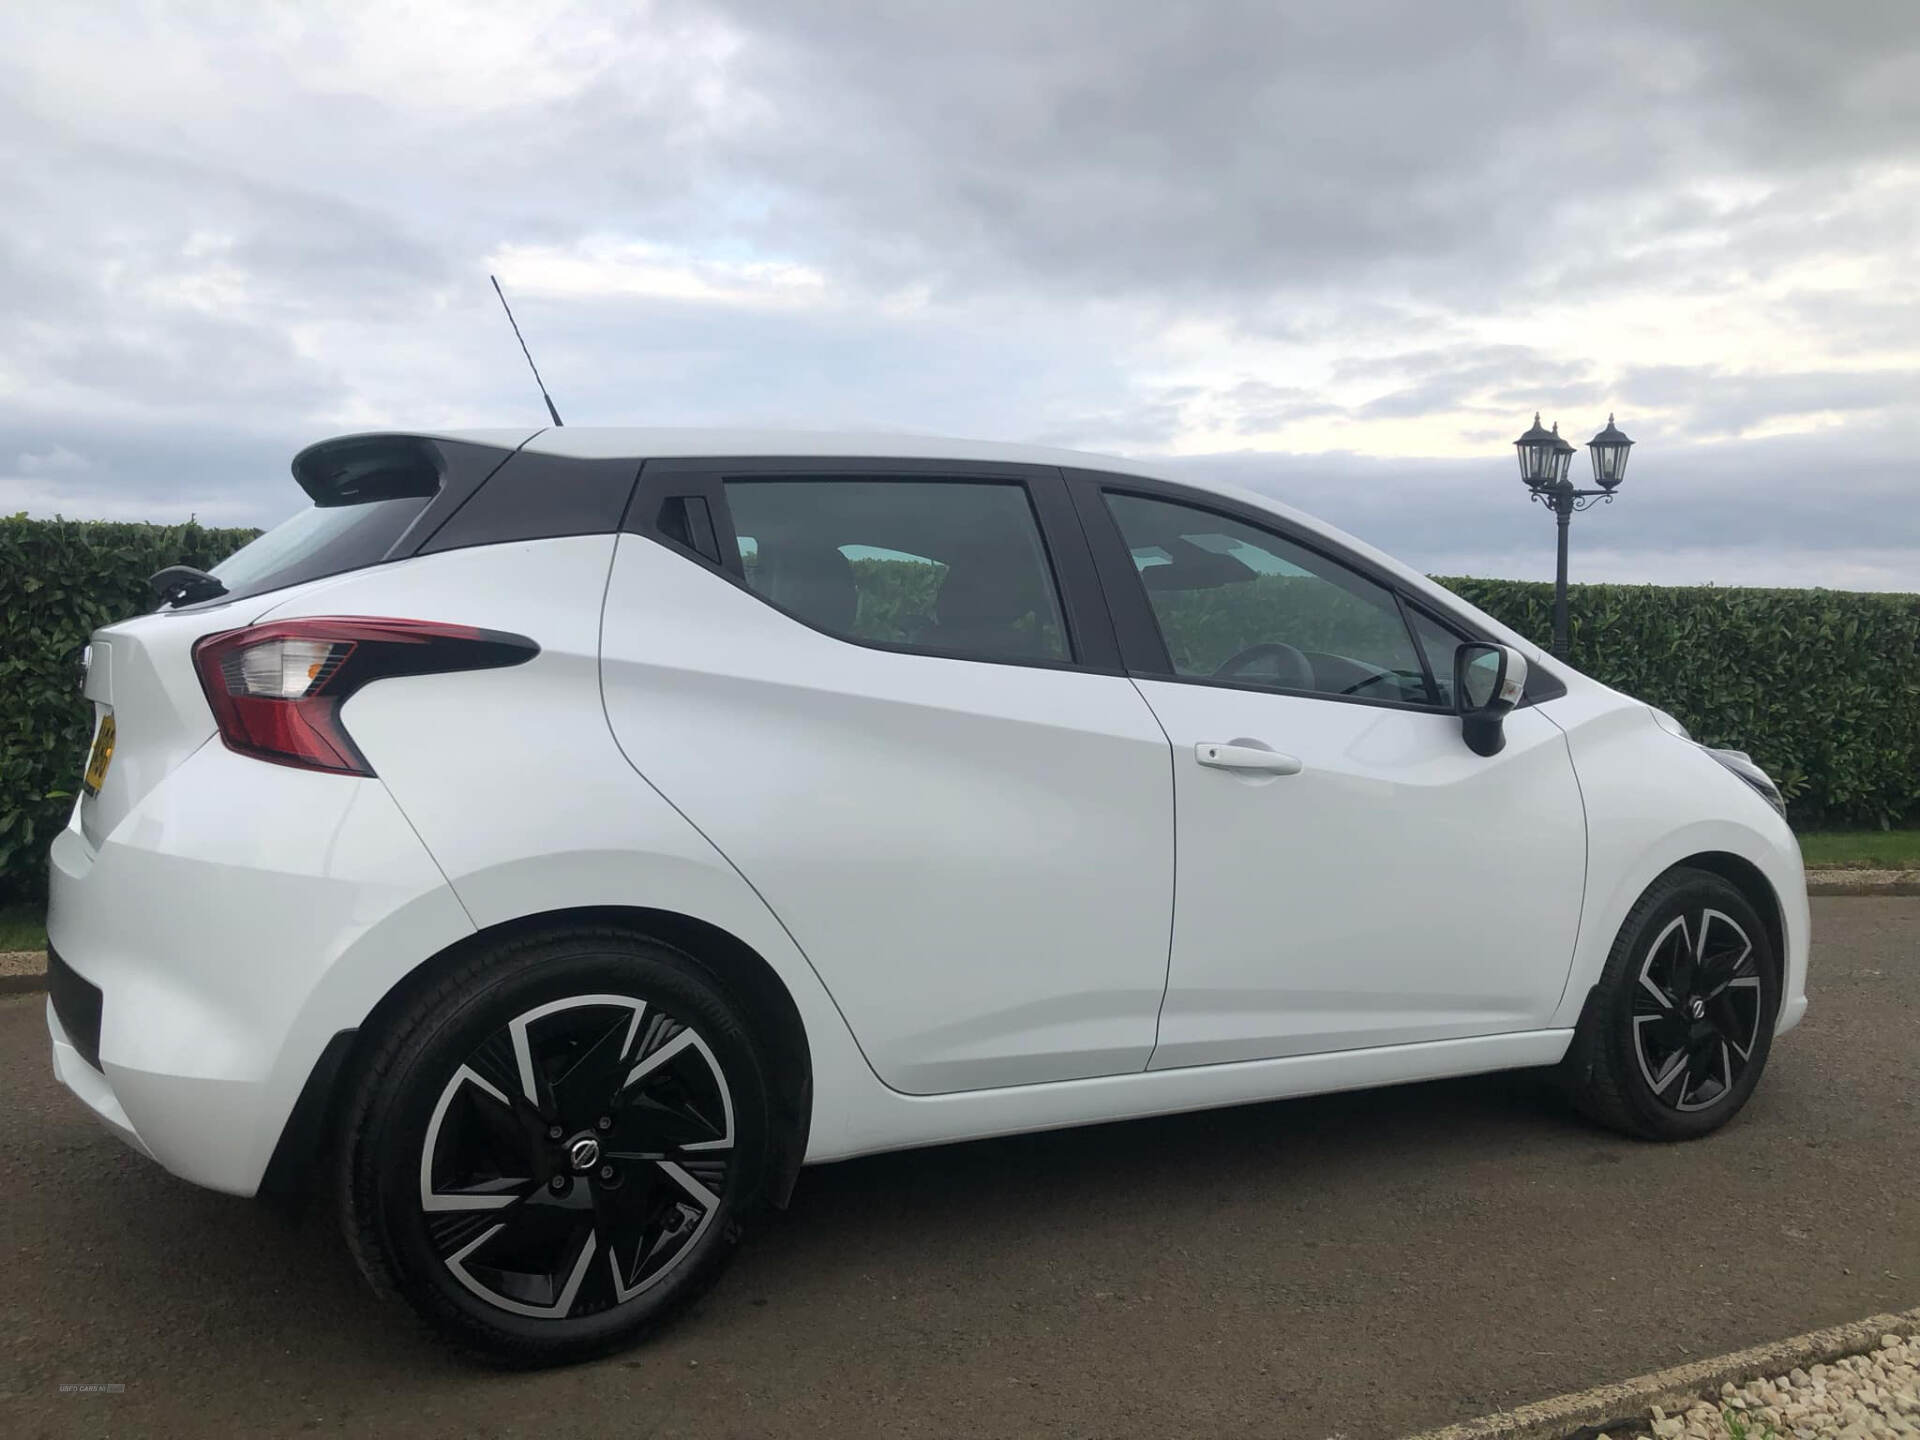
<point>276,689</point>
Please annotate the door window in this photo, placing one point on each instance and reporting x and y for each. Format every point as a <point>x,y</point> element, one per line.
<point>1242,606</point>
<point>953,567</point>
<point>1437,643</point>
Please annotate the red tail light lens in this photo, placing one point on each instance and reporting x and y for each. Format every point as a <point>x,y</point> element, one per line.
<point>276,689</point>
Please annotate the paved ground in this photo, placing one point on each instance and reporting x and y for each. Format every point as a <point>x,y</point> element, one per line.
<point>1360,1265</point>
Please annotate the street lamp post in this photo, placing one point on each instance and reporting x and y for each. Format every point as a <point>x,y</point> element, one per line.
<point>1544,460</point>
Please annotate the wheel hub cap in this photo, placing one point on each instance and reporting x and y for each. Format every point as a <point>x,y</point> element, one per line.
<point>584,1153</point>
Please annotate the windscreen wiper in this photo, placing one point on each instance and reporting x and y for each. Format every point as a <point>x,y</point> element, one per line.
<point>184,585</point>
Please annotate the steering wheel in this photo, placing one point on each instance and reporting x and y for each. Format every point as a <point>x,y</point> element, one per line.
<point>1366,680</point>
<point>1295,672</point>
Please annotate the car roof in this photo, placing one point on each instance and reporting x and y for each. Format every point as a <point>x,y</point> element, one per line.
<point>642,442</point>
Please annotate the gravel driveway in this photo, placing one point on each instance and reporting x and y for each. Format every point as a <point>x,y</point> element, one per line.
<point>1875,1394</point>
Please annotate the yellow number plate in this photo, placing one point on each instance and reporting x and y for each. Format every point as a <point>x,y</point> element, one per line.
<point>102,755</point>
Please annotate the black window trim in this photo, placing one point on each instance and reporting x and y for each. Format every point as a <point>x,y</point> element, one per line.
<point>1092,644</point>
<point>1419,651</point>
<point>1144,649</point>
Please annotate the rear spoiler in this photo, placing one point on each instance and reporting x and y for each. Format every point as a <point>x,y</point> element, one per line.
<point>358,469</point>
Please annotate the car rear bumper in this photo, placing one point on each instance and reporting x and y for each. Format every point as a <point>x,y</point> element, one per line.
<point>79,1076</point>
<point>213,944</point>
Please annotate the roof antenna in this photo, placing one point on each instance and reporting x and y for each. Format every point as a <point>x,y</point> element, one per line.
<point>526,352</point>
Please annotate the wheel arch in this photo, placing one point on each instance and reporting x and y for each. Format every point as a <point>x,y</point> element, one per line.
<point>742,971</point>
<point>1752,883</point>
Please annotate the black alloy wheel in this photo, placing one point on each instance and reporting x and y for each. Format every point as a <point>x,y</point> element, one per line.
<point>576,1156</point>
<point>557,1144</point>
<point>1677,1032</point>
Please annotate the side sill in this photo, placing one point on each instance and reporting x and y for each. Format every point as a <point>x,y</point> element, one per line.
<point>874,1123</point>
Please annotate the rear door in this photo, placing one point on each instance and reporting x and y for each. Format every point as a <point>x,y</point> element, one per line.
<point>880,689</point>
<point>1351,875</point>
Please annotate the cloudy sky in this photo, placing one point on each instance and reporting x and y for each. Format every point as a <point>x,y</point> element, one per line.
<point>1339,252</point>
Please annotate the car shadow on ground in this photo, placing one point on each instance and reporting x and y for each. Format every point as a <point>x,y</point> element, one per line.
<point>250,1273</point>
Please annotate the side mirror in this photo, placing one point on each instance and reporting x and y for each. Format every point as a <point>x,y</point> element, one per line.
<point>1487,682</point>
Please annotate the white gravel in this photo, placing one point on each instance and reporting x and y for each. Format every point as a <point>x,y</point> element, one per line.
<point>1871,1395</point>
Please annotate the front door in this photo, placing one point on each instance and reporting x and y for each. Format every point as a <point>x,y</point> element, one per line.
<point>1349,874</point>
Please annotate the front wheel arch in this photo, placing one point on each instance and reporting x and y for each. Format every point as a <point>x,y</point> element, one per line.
<point>1746,877</point>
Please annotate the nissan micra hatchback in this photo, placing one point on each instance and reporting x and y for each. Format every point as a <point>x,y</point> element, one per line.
<point>566,837</point>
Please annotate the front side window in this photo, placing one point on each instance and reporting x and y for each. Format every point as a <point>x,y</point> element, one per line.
<point>1438,644</point>
<point>1241,605</point>
<point>950,566</point>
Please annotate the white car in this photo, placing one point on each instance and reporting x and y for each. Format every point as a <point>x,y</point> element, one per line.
<point>572,834</point>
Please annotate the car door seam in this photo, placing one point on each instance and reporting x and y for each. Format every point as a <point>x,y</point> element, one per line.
<point>1586,860</point>
<point>1173,849</point>
<point>606,715</point>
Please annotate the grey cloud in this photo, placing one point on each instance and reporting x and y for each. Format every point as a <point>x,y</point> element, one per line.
<point>1064,181</point>
<point>1477,378</point>
<point>1469,363</point>
<point>145,471</point>
<point>1712,401</point>
<point>1278,147</point>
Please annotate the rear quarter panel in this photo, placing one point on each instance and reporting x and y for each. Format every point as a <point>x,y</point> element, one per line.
<point>513,780</point>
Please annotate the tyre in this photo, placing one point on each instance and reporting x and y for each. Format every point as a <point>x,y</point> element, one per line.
<point>1677,1032</point>
<point>553,1145</point>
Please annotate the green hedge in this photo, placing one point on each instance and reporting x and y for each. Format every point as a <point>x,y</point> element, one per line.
<point>1822,687</point>
<point>60,580</point>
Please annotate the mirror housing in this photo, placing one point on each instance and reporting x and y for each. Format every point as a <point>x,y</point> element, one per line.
<point>1488,681</point>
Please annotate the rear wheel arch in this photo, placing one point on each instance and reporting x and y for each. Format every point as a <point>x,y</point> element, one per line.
<point>777,1029</point>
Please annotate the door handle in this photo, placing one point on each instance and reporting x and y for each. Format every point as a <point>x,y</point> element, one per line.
<point>1245,755</point>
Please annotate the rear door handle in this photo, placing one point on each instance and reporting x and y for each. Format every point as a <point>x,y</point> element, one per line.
<point>1245,755</point>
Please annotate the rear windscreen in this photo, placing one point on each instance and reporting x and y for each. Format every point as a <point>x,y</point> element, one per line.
<point>366,490</point>
<point>320,540</point>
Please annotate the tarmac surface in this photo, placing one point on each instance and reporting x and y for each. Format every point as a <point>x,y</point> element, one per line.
<point>1357,1265</point>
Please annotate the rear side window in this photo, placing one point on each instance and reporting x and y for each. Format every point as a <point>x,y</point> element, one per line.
<point>952,567</point>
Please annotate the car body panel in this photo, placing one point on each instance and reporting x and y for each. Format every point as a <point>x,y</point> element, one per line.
<point>460,751</point>
<point>1653,801</point>
<point>220,918</point>
<point>985,875</point>
<point>1398,888</point>
<point>141,671</point>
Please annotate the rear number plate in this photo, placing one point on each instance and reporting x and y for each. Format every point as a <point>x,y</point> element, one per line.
<point>101,756</point>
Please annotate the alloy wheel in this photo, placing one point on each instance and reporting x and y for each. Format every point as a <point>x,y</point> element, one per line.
<point>1697,1010</point>
<point>577,1156</point>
